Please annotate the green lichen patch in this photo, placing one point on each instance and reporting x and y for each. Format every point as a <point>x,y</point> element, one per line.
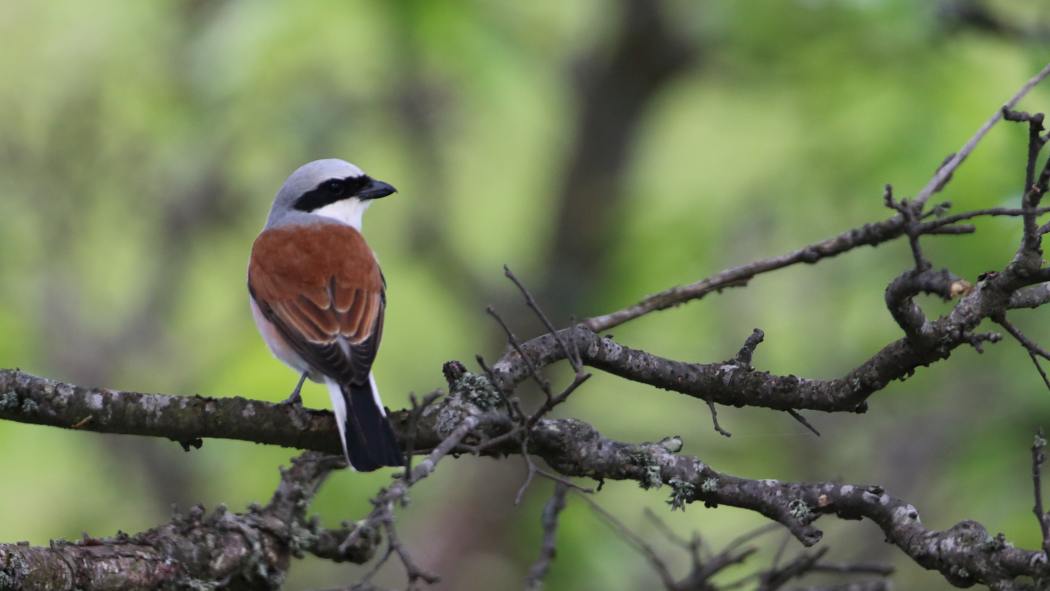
<point>470,395</point>
<point>9,400</point>
<point>477,390</point>
<point>29,406</point>
<point>800,511</point>
<point>682,492</point>
<point>709,485</point>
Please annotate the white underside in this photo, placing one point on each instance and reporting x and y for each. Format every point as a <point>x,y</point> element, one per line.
<point>277,344</point>
<point>348,211</point>
<point>335,392</point>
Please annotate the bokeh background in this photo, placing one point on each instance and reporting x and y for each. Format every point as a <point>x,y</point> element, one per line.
<point>604,150</point>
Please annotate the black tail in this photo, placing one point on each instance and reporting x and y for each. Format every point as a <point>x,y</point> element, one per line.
<point>370,440</point>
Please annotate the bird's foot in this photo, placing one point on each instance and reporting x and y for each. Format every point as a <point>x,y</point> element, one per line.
<point>296,397</point>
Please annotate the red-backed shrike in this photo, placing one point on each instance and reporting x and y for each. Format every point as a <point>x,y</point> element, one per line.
<point>318,297</point>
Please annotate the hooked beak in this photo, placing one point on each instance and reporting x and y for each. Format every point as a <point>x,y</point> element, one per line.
<point>374,190</point>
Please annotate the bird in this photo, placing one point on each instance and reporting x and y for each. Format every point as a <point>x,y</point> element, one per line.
<point>318,298</point>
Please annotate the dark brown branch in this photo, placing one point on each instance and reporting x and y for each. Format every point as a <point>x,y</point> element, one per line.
<point>250,550</point>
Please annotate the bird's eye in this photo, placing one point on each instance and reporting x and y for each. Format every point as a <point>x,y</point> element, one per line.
<point>335,186</point>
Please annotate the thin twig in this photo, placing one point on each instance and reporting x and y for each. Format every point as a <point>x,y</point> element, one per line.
<point>516,344</point>
<point>714,419</point>
<point>666,529</point>
<point>946,171</point>
<point>861,568</point>
<point>1039,368</point>
<point>636,541</point>
<point>549,519</point>
<point>1031,347</point>
<point>553,401</point>
<point>413,425</point>
<point>1038,458</point>
<point>912,214</point>
<point>798,417</point>
<point>747,351</point>
<point>870,234</point>
<point>530,301</point>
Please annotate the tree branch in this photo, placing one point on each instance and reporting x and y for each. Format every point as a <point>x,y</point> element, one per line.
<point>249,550</point>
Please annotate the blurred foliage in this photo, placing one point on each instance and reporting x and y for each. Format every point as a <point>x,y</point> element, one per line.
<point>141,143</point>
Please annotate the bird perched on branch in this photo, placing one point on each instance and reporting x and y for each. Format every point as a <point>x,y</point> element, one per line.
<point>318,298</point>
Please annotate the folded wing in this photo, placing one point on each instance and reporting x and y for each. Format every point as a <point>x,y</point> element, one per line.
<point>322,288</point>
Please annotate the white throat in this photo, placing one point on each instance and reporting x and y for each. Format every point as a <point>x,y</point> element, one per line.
<point>348,211</point>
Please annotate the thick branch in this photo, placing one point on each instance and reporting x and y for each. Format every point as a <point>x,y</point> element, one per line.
<point>250,550</point>
<point>965,553</point>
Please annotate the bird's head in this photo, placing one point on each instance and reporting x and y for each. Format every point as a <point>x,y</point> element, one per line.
<point>331,188</point>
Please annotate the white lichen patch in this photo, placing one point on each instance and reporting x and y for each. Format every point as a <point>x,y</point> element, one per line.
<point>726,373</point>
<point>884,500</point>
<point>672,444</point>
<point>906,513</point>
<point>62,395</point>
<point>94,402</point>
<point>846,490</point>
<point>249,411</point>
<point>154,404</point>
<point>770,483</point>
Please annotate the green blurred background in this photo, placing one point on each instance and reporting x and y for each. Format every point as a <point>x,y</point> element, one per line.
<point>604,150</point>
